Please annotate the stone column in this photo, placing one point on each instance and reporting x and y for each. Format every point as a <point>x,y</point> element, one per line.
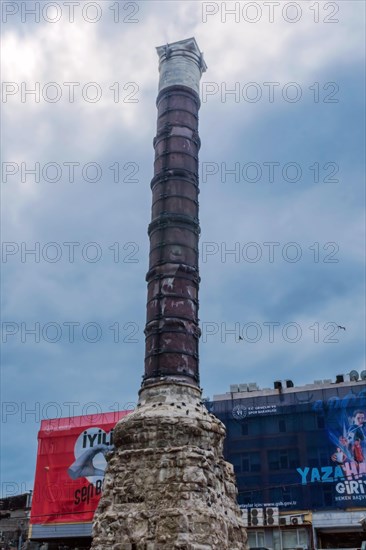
<point>172,330</point>
<point>167,485</point>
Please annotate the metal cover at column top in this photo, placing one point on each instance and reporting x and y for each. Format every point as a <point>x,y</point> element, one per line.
<point>181,63</point>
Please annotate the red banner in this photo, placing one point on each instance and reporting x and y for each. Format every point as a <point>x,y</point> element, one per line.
<point>70,467</point>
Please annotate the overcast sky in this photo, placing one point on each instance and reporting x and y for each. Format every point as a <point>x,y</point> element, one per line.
<point>281,202</point>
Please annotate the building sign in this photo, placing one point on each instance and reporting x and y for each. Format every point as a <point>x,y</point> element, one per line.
<point>70,467</point>
<point>239,411</point>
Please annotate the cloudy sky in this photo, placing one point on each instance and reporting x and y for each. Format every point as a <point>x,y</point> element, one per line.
<point>281,202</point>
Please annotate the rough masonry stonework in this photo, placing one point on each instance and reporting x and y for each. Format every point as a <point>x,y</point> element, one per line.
<point>167,485</point>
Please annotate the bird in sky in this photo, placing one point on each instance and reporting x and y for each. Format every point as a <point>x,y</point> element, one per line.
<point>343,328</point>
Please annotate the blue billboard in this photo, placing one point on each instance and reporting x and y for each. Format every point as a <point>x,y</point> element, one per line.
<point>305,449</point>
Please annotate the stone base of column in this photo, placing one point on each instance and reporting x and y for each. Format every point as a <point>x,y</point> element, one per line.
<point>167,485</point>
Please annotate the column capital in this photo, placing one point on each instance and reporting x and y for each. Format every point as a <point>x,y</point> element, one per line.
<point>181,63</point>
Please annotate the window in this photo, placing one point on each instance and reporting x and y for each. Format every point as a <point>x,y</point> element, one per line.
<point>294,422</point>
<point>289,539</point>
<point>282,425</point>
<point>316,496</point>
<point>255,426</point>
<point>283,459</point>
<point>317,457</point>
<point>255,538</point>
<point>250,462</point>
<point>273,460</point>
<point>236,462</point>
<point>233,428</point>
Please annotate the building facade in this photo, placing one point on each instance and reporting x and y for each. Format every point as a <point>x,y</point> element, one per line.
<point>299,458</point>
<point>14,520</point>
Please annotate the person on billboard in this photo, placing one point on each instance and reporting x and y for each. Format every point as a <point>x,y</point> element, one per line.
<point>357,430</point>
<point>343,453</point>
<point>84,467</point>
<point>339,456</point>
<point>357,451</point>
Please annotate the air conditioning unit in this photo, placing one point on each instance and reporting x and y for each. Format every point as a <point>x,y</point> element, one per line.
<point>271,516</point>
<point>244,515</point>
<point>296,520</point>
<point>253,386</point>
<point>243,387</point>
<point>234,388</point>
<point>255,517</point>
<point>283,521</point>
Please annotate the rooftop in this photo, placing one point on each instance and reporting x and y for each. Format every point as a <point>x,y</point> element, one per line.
<point>251,389</point>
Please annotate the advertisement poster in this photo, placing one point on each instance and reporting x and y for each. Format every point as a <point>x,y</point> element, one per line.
<point>345,427</point>
<point>70,467</point>
<point>298,450</point>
